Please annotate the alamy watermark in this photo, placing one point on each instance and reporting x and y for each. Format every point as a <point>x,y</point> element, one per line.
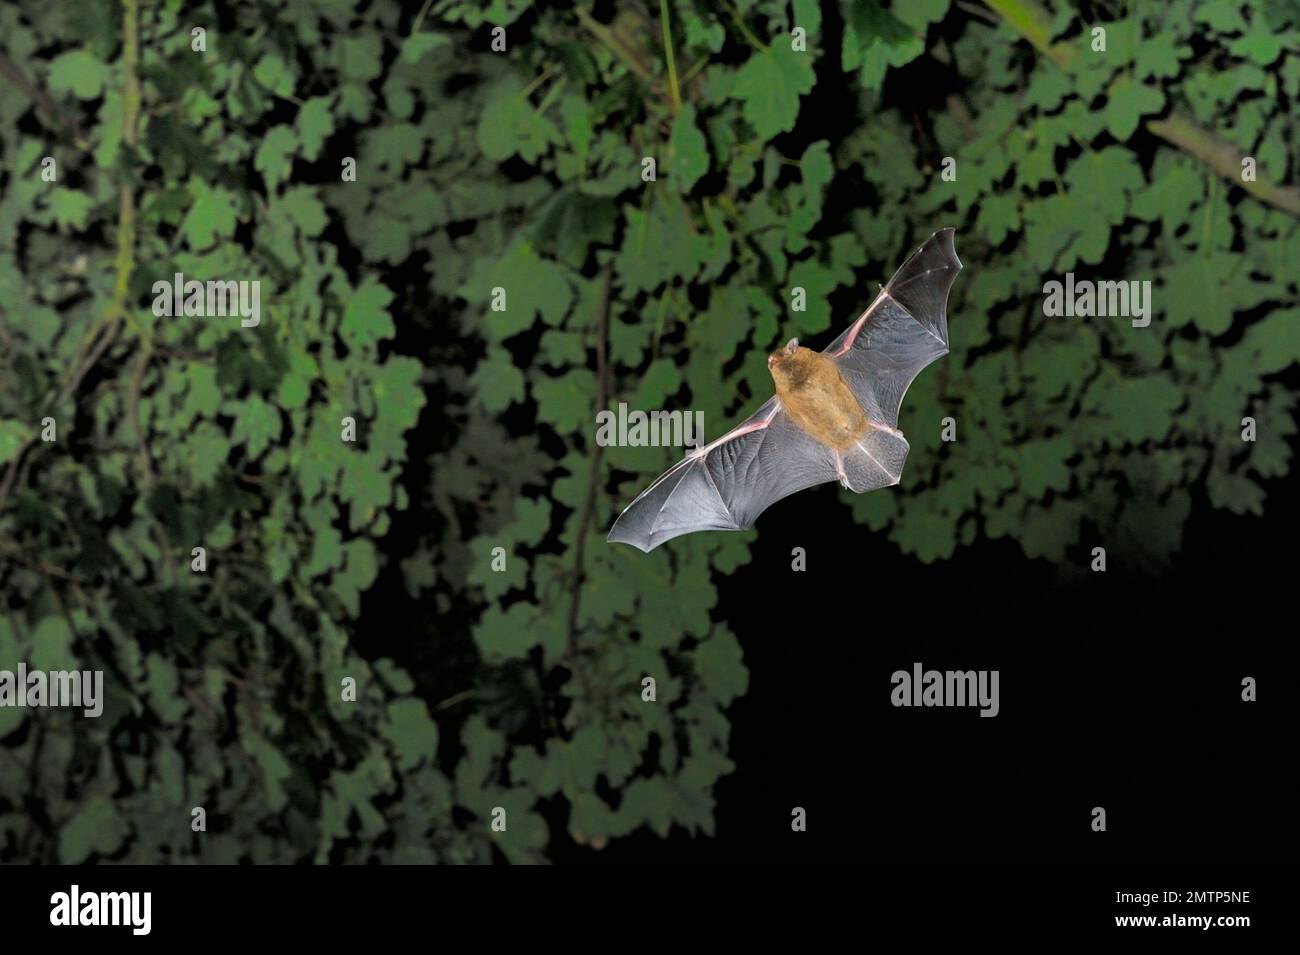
<point>1088,299</point>
<point>212,299</point>
<point>654,429</point>
<point>133,909</point>
<point>82,689</point>
<point>946,688</point>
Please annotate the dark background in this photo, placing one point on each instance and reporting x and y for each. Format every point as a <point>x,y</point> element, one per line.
<point>1123,691</point>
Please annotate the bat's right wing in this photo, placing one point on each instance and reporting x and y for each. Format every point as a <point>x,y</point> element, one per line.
<point>725,485</point>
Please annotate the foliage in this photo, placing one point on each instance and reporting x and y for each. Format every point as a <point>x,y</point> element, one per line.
<point>479,170</point>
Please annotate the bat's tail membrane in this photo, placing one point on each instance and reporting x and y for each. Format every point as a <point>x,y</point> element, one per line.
<point>922,283</point>
<point>875,460</point>
<point>683,500</point>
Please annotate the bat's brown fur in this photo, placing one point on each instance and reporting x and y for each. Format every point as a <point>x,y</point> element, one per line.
<point>817,398</point>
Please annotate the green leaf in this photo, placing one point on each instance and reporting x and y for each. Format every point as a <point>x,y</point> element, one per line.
<point>567,402</point>
<point>414,47</point>
<point>326,552</point>
<point>1173,192</point>
<point>204,396</point>
<point>212,215</point>
<point>1160,57</point>
<point>531,520</point>
<point>303,209</point>
<point>1046,532</point>
<point>257,424</point>
<point>874,40</point>
<point>999,216</point>
<point>71,208</point>
<point>769,85</point>
<point>204,453</point>
<point>315,123</point>
<point>272,73</point>
<point>362,56</point>
<point>505,635</point>
<point>78,72</point>
<point>1223,16</point>
<point>1042,465</point>
<point>533,287</point>
<point>13,434</point>
<point>815,171</point>
<point>366,321</point>
<point>95,827</point>
<point>570,221</point>
<point>1273,343</point>
<point>274,157</point>
<point>497,382</point>
<point>1260,45</point>
<point>720,666</point>
<point>412,732</point>
<point>688,152</point>
<point>1196,290</point>
<point>510,126</point>
<point>660,380</point>
<point>1127,104</point>
<point>52,645</point>
<point>1140,408</point>
<point>659,246</point>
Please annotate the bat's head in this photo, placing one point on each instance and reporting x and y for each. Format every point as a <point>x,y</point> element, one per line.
<point>782,354</point>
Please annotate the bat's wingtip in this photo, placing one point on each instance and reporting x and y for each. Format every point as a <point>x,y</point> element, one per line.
<point>950,233</point>
<point>616,538</point>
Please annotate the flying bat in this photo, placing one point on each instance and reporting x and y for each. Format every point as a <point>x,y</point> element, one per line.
<point>834,415</point>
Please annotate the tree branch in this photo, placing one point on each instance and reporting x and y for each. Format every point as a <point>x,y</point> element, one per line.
<point>94,345</point>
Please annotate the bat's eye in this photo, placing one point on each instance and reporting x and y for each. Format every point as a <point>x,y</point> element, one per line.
<point>791,345</point>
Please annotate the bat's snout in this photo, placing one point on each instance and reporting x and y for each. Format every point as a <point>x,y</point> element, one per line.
<point>782,353</point>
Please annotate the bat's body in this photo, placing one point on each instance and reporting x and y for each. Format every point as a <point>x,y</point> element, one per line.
<point>818,400</point>
<point>834,415</point>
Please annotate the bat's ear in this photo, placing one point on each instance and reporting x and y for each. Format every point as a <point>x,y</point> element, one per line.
<point>791,345</point>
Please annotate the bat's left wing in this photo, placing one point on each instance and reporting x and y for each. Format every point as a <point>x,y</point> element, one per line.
<point>725,485</point>
<point>880,355</point>
<point>902,331</point>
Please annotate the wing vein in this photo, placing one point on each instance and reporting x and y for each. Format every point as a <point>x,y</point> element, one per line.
<point>714,484</point>
<point>654,525</point>
<point>883,469</point>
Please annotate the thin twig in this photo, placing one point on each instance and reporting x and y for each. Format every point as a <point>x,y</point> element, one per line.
<point>593,479</point>
<point>668,54</point>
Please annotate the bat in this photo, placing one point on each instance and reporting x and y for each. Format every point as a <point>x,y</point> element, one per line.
<point>834,415</point>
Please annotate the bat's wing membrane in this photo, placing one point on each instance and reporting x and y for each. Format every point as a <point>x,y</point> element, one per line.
<point>728,483</point>
<point>902,331</point>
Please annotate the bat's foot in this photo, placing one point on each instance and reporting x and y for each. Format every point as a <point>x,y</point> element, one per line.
<point>839,470</point>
